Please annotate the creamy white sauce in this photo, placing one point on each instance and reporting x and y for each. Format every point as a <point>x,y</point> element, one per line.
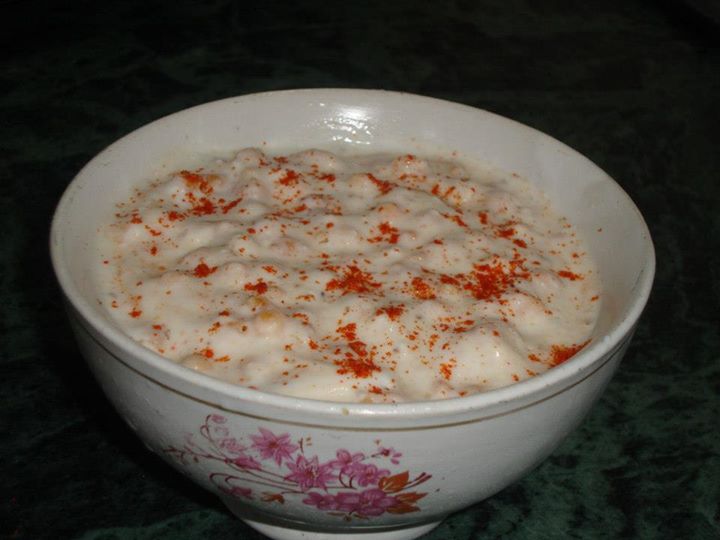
<point>349,278</point>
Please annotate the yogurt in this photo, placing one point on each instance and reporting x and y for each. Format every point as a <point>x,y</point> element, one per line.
<point>355,278</point>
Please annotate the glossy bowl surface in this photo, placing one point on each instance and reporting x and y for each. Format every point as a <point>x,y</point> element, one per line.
<point>296,468</point>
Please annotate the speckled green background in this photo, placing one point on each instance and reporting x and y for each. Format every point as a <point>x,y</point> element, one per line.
<point>633,85</point>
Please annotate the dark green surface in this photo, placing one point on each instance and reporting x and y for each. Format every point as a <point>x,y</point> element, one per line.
<point>634,86</point>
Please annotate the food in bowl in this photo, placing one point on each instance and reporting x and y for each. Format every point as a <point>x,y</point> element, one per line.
<point>290,466</point>
<point>356,278</point>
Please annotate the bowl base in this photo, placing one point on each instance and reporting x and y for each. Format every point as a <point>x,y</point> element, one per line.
<point>283,533</point>
<point>279,529</point>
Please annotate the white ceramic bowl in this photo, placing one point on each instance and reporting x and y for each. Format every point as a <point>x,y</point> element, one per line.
<point>269,457</point>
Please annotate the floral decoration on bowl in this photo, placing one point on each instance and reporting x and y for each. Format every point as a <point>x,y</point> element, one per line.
<point>273,468</point>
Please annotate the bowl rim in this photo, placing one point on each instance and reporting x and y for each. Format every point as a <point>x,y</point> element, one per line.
<point>233,396</point>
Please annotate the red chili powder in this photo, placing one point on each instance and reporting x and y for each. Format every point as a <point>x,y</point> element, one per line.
<point>390,231</point>
<point>457,219</point>
<point>562,353</point>
<point>232,204</point>
<point>420,289</point>
<point>446,370</point>
<point>291,178</point>
<point>569,275</point>
<point>487,281</point>
<point>387,232</point>
<point>348,331</point>
<point>393,312</point>
<point>444,278</point>
<point>361,368</point>
<point>353,280</point>
<point>359,348</point>
<point>361,363</point>
<point>383,185</point>
<point>203,270</point>
<point>203,207</point>
<point>194,180</point>
<point>260,287</point>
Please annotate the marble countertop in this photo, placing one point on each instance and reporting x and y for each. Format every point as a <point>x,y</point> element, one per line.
<point>635,86</point>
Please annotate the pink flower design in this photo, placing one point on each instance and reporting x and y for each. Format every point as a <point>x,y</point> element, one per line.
<point>309,474</point>
<point>244,461</point>
<point>293,474</point>
<point>370,475</point>
<point>237,454</point>
<point>371,502</point>
<point>321,501</point>
<point>389,453</point>
<point>231,446</point>
<point>347,463</point>
<point>215,427</point>
<point>237,491</point>
<point>271,446</point>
